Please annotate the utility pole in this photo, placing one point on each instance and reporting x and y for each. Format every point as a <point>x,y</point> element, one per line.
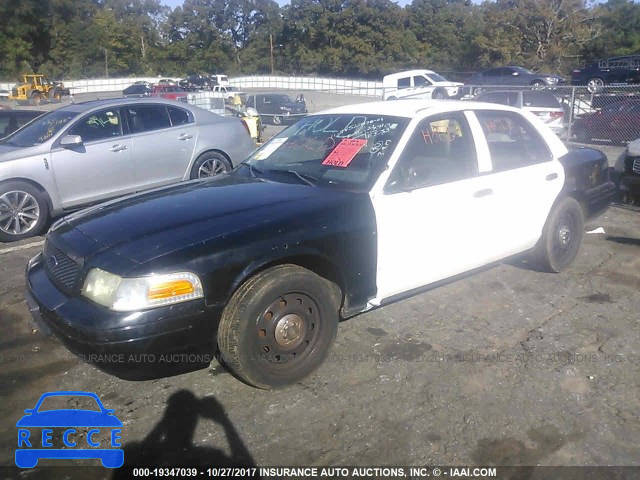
<point>271,49</point>
<point>106,64</point>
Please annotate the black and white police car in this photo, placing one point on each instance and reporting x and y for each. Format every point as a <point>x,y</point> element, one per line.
<point>347,210</point>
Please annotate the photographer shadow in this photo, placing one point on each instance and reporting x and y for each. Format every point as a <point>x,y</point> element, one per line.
<point>170,443</point>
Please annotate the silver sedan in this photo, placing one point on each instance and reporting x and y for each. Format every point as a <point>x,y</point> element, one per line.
<point>86,153</point>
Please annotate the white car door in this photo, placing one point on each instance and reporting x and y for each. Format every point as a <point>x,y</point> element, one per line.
<point>434,213</point>
<point>526,175</point>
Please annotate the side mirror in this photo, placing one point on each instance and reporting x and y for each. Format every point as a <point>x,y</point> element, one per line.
<point>70,141</point>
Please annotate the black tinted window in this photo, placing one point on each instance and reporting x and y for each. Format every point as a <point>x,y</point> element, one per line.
<point>503,98</point>
<point>404,82</point>
<point>540,99</point>
<point>513,141</point>
<point>179,116</point>
<point>98,125</point>
<point>145,118</point>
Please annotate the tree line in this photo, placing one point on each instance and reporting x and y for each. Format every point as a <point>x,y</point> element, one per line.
<point>348,38</point>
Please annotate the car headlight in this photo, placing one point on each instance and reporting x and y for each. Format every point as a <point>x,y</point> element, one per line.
<point>552,79</point>
<point>128,294</point>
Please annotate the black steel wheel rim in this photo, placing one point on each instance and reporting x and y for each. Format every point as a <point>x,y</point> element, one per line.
<point>287,332</point>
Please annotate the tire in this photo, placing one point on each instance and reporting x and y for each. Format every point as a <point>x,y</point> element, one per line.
<point>36,98</point>
<point>594,84</point>
<point>537,84</point>
<point>582,135</point>
<point>277,120</point>
<point>55,95</point>
<point>439,94</point>
<point>280,301</point>
<point>210,164</point>
<point>24,211</point>
<point>561,236</point>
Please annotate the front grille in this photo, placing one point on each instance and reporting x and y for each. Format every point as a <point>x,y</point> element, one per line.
<point>62,270</point>
<point>636,166</point>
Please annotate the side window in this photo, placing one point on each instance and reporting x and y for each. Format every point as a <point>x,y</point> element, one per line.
<point>420,81</point>
<point>441,150</point>
<point>145,118</point>
<point>404,82</point>
<point>98,125</point>
<point>513,141</point>
<point>179,116</point>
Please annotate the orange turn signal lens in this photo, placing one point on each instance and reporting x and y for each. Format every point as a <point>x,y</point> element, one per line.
<point>172,288</point>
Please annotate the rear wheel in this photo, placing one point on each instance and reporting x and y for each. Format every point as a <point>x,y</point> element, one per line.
<point>55,95</point>
<point>278,326</point>
<point>23,211</point>
<point>582,135</point>
<point>595,84</point>
<point>210,164</point>
<point>561,236</point>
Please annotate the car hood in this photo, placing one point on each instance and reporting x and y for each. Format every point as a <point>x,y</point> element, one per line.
<point>145,226</point>
<point>12,152</point>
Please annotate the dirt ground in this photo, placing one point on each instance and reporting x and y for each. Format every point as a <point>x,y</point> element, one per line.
<point>509,366</point>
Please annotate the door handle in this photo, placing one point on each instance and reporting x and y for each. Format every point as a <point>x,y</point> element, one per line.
<point>483,193</point>
<point>118,148</point>
<point>185,136</point>
<point>552,176</point>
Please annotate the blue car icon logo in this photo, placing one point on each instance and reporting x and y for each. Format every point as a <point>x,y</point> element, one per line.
<point>54,434</point>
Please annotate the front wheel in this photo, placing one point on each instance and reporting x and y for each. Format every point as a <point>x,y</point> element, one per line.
<point>561,236</point>
<point>277,120</point>
<point>439,94</point>
<point>538,84</point>
<point>278,326</point>
<point>210,164</point>
<point>23,211</point>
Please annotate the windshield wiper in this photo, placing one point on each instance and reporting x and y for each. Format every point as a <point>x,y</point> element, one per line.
<point>305,177</point>
<point>253,169</point>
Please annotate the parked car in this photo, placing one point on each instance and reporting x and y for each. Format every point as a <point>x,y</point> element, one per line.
<point>622,70</point>
<point>347,210</point>
<point>85,153</point>
<point>418,84</point>
<point>512,75</point>
<point>617,122</point>
<point>137,90</point>
<point>218,79</point>
<point>627,174</point>
<point>167,81</point>
<point>277,108</point>
<point>197,82</point>
<point>542,104</point>
<point>11,120</point>
<point>172,92</point>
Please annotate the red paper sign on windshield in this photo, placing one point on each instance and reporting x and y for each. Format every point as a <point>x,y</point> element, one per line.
<point>342,155</point>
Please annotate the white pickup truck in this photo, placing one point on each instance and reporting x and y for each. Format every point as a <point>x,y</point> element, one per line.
<point>229,93</point>
<point>419,84</point>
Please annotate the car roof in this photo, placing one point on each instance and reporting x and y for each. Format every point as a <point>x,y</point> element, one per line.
<point>116,102</point>
<point>412,108</point>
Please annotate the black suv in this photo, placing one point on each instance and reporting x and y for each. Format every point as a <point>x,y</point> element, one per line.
<point>278,108</point>
<point>197,82</point>
<point>623,70</point>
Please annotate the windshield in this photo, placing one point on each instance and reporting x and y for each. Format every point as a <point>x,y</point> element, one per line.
<point>40,130</point>
<point>434,77</point>
<point>346,151</point>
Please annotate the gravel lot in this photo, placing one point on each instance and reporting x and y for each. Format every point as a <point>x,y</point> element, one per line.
<point>509,366</point>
